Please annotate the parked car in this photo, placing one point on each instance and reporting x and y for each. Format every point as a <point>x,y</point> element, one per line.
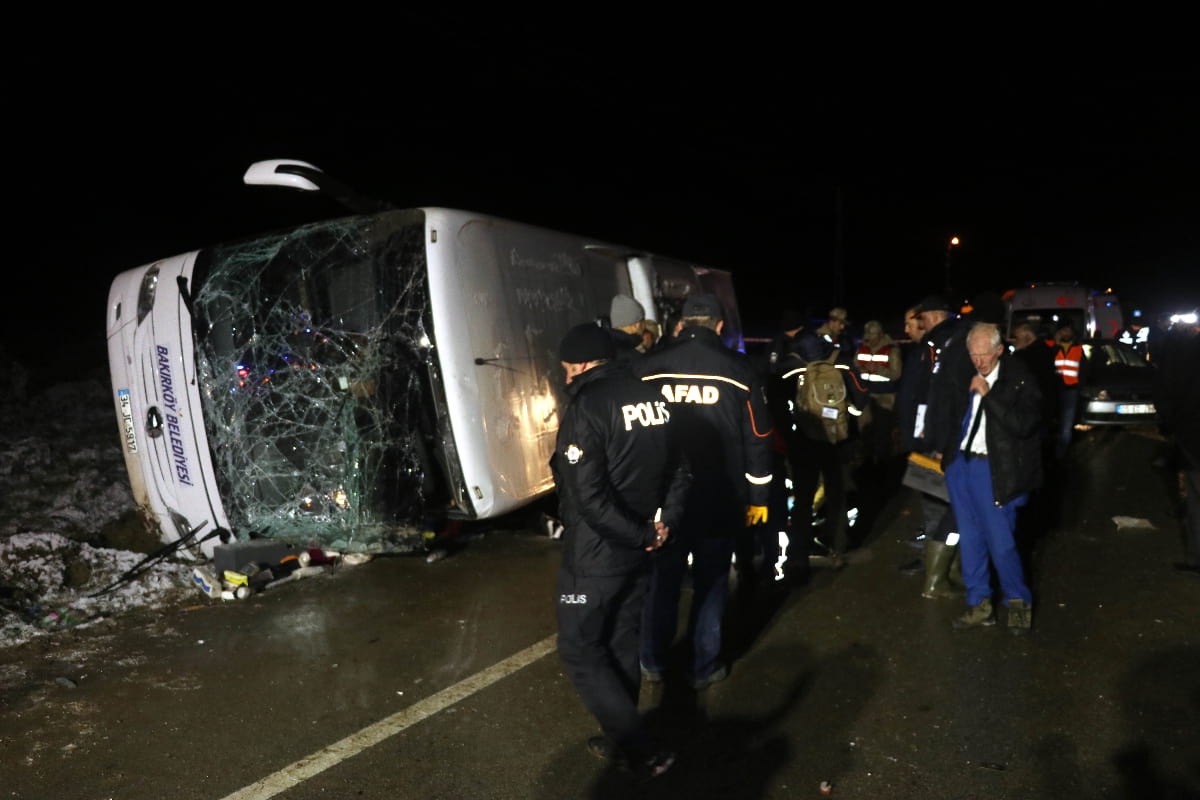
<point>1117,385</point>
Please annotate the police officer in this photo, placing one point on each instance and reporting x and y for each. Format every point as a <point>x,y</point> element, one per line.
<point>718,406</point>
<point>620,489</point>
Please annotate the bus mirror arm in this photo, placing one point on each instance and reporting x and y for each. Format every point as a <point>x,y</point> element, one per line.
<point>305,177</point>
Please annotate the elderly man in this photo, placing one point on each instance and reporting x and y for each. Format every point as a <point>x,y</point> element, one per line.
<point>993,463</point>
<point>621,492</point>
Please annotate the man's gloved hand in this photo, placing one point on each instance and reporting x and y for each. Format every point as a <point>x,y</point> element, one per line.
<point>756,515</point>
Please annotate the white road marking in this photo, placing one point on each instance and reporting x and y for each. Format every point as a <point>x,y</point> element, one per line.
<point>352,745</point>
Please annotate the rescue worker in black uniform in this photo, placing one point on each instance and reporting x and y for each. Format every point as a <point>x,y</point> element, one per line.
<point>926,405</point>
<point>719,410</point>
<point>819,462</point>
<point>770,543</point>
<point>621,487</point>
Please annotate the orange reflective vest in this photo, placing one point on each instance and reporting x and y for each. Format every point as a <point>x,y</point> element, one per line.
<point>1067,363</point>
<point>872,362</point>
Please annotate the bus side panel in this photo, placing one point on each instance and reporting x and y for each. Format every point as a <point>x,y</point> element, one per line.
<point>674,281</point>
<point>503,295</point>
<point>159,416</point>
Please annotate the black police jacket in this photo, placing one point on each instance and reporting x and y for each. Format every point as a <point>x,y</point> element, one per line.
<point>614,466</point>
<point>950,371</point>
<point>719,406</point>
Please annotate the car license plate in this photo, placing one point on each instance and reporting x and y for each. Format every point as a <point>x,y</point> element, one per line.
<point>1135,408</point>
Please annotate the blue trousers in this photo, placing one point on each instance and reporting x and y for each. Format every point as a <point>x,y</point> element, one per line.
<point>711,556</point>
<point>986,532</point>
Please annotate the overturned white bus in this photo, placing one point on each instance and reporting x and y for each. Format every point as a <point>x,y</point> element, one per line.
<point>338,382</point>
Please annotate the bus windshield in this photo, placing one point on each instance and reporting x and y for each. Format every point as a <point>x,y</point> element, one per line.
<point>312,351</point>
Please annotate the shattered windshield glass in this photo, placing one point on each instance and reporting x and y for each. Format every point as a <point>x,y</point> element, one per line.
<point>313,357</point>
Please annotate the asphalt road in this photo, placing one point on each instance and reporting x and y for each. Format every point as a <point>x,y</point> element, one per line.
<point>406,679</point>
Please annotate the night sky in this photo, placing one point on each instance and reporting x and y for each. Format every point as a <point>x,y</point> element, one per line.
<point>813,184</point>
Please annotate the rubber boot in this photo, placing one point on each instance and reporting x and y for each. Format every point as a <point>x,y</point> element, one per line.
<point>938,557</point>
<point>955,574</point>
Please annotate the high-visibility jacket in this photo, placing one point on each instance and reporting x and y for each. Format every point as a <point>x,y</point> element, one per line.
<point>1067,363</point>
<point>878,366</point>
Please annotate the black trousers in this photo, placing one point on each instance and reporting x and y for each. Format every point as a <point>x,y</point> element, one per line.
<point>1191,517</point>
<point>825,463</point>
<point>599,636</point>
<point>762,541</point>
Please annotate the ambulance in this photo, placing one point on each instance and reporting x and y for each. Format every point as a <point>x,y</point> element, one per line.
<point>342,383</point>
<point>1092,312</point>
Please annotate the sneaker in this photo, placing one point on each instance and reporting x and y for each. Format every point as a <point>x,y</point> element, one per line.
<point>976,616</point>
<point>716,676</point>
<point>658,764</point>
<point>1020,617</point>
<point>552,526</point>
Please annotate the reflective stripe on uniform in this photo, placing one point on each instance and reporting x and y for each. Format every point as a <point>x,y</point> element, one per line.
<point>686,376</point>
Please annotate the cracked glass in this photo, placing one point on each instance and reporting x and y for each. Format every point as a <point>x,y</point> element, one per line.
<point>313,356</point>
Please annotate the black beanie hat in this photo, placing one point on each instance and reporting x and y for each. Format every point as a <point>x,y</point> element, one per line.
<point>586,342</point>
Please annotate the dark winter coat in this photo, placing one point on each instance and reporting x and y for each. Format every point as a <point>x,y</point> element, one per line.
<point>1177,391</point>
<point>912,393</point>
<point>950,372</point>
<point>718,402</point>
<point>626,345</point>
<point>615,463</point>
<point>814,346</point>
<point>1040,360</point>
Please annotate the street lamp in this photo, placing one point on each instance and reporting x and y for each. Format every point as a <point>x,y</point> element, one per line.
<point>950,245</point>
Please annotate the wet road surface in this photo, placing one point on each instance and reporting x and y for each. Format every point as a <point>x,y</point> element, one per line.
<point>406,679</point>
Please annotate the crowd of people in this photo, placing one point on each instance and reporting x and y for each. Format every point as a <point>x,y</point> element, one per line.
<point>680,457</point>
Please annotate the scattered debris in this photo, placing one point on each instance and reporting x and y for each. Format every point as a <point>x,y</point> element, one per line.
<point>269,565</point>
<point>1132,523</point>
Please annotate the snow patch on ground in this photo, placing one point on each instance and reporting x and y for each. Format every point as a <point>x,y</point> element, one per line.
<point>64,495</point>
